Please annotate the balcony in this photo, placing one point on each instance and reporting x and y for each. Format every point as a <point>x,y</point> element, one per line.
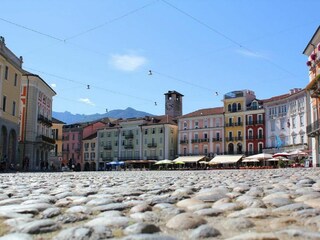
<point>238,124</point>
<point>44,120</point>
<point>195,140</point>
<point>128,146</point>
<point>258,137</point>
<point>313,129</point>
<point>129,136</point>
<point>238,138</point>
<point>216,139</point>
<point>108,147</point>
<point>152,145</point>
<point>42,138</point>
<point>229,124</point>
<point>184,141</point>
<point>229,139</point>
<point>204,140</point>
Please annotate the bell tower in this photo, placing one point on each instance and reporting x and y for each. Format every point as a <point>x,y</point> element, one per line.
<point>173,103</point>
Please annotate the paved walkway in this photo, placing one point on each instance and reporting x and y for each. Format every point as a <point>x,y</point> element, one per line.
<point>224,204</point>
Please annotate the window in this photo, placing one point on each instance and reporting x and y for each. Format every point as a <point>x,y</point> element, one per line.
<point>206,123</point>
<point>260,146</point>
<point>230,121</point>
<point>13,108</point>
<point>229,108</point>
<point>282,123</point>
<point>153,130</point>
<point>218,122</point>
<point>146,131</point>
<point>301,121</point>
<point>234,107</point>
<point>302,139</point>
<point>250,134</point>
<point>137,142</point>
<point>260,119</point>
<point>4,103</point>
<point>218,136</point>
<point>293,122</point>
<point>160,140</point>
<point>254,105</point>
<point>250,148</point>
<point>196,136</point>
<point>6,73</point>
<point>185,125</point>
<point>206,136</point>
<point>73,136</point>
<point>294,138</point>
<point>260,133</point>
<point>250,119</point>
<point>239,106</point>
<point>93,145</point>
<point>239,121</point>
<point>273,125</point>
<point>101,135</point>
<point>196,125</point>
<point>161,130</point>
<point>108,134</point>
<point>15,79</point>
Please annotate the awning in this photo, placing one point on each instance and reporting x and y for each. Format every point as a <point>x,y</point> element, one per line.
<point>222,159</point>
<point>189,159</point>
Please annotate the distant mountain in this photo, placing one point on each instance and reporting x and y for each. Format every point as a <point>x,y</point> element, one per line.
<point>70,118</point>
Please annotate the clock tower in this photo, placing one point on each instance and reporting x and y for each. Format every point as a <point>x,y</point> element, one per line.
<point>173,103</point>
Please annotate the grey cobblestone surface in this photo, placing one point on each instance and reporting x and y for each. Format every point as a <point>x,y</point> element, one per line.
<point>214,204</point>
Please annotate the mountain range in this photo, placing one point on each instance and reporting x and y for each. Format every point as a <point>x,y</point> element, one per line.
<point>70,118</point>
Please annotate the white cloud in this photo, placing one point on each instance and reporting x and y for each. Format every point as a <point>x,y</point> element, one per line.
<point>248,53</point>
<point>127,62</point>
<point>86,101</point>
<point>53,85</point>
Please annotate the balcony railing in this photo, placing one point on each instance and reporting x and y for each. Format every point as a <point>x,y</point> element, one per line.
<point>152,145</point>
<point>204,140</point>
<point>216,139</point>
<point>129,136</point>
<point>108,147</point>
<point>229,139</point>
<point>259,137</point>
<point>128,146</point>
<point>46,139</point>
<point>314,129</point>
<point>195,140</point>
<point>238,138</point>
<point>184,141</point>
<point>44,120</point>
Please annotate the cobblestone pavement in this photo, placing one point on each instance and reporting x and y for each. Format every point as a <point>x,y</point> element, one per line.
<point>215,204</point>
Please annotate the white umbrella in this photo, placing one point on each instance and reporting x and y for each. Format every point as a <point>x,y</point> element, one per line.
<point>250,160</point>
<point>260,156</point>
<point>282,154</point>
<point>166,161</point>
<point>298,153</point>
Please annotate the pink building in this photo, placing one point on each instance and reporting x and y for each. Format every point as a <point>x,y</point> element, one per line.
<point>201,132</point>
<point>72,141</point>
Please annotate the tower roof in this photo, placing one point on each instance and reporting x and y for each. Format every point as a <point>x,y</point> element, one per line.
<point>173,92</point>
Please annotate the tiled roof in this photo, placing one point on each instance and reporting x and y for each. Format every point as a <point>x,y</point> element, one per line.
<point>92,136</point>
<point>204,112</point>
<point>281,97</point>
<point>54,120</point>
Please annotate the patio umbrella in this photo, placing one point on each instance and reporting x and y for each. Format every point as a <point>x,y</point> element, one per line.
<point>298,153</point>
<point>203,162</point>
<point>282,154</point>
<point>166,161</point>
<point>179,162</point>
<point>250,160</point>
<point>260,156</point>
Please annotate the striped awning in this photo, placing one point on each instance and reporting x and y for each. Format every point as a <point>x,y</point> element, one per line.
<point>189,159</point>
<point>224,159</point>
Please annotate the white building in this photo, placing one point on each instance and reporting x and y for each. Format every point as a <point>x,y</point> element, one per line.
<point>286,121</point>
<point>36,122</point>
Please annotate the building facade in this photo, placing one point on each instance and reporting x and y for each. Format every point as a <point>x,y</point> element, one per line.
<point>71,147</point>
<point>255,127</point>
<point>55,158</point>
<point>286,121</point>
<point>312,51</point>
<point>90,153</point>
<point>201,133</point>
<point>36,122</point>
<point>148,138</point>
<point>10,86</point>
<point>235,114</point>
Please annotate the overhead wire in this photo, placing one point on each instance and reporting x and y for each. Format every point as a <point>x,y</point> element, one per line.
<point>111,21</point>
<point>225,36</point>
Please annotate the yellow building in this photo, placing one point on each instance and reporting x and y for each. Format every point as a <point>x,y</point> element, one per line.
<point>55,157</point>
<point>312,50</point>
<point>234,107</point>
<point>10,85</point>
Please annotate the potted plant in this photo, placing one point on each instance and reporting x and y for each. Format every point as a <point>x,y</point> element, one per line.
<point>313,56</point>
<point>309,63</point>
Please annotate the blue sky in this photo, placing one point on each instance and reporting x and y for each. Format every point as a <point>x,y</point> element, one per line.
<point>196,47</point>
